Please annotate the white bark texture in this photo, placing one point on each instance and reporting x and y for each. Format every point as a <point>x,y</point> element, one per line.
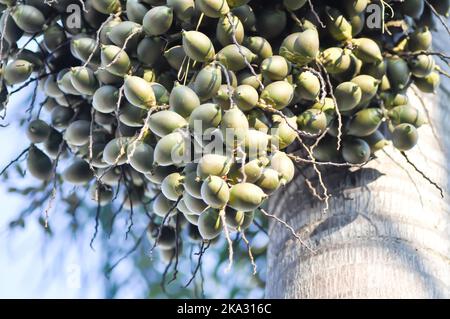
<point>387,232</point>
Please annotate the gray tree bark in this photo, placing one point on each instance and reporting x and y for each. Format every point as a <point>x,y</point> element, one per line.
<point>387,232</point>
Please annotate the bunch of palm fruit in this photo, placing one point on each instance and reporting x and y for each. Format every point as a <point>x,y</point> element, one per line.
<point>136,85</point>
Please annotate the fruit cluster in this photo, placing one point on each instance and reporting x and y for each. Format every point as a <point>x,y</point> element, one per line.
<point>137,83</point>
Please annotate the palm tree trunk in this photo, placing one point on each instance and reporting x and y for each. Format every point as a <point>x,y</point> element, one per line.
<point>387,232</point>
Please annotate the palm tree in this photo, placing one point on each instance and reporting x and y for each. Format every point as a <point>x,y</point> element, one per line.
<point>387,231</point>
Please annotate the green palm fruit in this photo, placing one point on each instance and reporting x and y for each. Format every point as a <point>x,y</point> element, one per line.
<point>246,97</point>
<point>355,151</point>
<point>336,60</point>
<point>413,8</point>
<point>278,94</point>
<point>420,40</point>
<point>337,25</point>
<point>112,53</point>
<point>158,20</point>
<point>28,18</point>
<point>238,220</point>
<point>398,73</point>
<point>109,176</point>
<point>327,150</point>
<point>198,46</point>
<point>355,7</point>
<point>192,219</point>
<point>213,8</point>
<point>61,116</point>
<point>171,149</point>
<point>308,86</point>
<point>115,152</point>
<point>105,99</point>
<point>158,173</point>
<point>367,50</point>
<point>175,56</point>
<point>376,70</point>
<point>204,117</point>
<point>312,121</point>
<point>140,156</point>
<point>368,85</point>
<point>405,137</point>
<point>162,96</point>
<point>287,46</point>
<point>101,194</point>
<point>17,71</point>
<point>149,50</point>
<point>196,205</point>
<point>126,31</point>
<point>281,163</point>
<point>215,192</point>
<point>234,57</point>
<point>259,46</point>
<point>210,223</point>
<point>181,206</point>
<point>294,5</point>
<point>365,122</point>
<point>208,82</point>
<point>183,100</point>
<point>136,11</point>
<point>38,131</point>
<point>64,80</point>
<point>131,115</point>
<point>213,165</point>
<point>78,173</point>
<point>283,132</point>
<point>246,77</point>
<point>348,96</point>
<point>54,36</point>
<point>428,84</point>
<point>12,33</point>
<point>376,141</point>
<point>275,68</point>
<point>172,186</point>
<point>167,242</point>
<point>358,23</point>
<point>78,132</point>
<point>269,181</point>
<point>256,143</point>
<point>225,27</point>
<point>258,120</point>
<point>422,65</point>
<point>222,98</point>
<point>53,145</point>
<point>51,87</point>
<point>163,207</point>
<point>246,16</point>
<point>139,92</point>
<point>192,185</point>
<point>184,9</point>
<point>104,39</point>
<point>82,48</point>
<point>234,127</point>
<point>246,197</point>
<point>406,114</point>
<point>271,23</point>
<point>391,100</point>
<point>106,6</point>
<point>305,48</point>
<point>250,171</point>
<point>165,122</point>
<point>83,80</point>
<point>39,164</point>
